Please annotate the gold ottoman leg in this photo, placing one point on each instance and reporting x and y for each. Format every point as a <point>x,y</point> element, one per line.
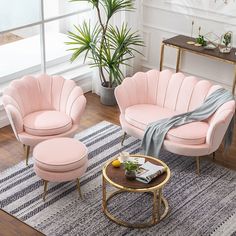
<point>78,186</point>
<point>45,189</point>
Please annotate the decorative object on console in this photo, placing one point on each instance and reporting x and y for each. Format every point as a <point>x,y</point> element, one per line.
<point>191,42</point>
<point>43,107</point>
<point>225,45</point>
<point>200,40</point>
<point>212,40</point>
<point>108,46</point>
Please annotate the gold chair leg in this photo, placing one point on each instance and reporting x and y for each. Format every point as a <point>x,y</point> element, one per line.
<point>26,150</point>
<point>78,186</point>
<point>234,83</point>
<point>123,139</point>
<point>198,165</point>
<point>214,155</point>
<point>45,189</point>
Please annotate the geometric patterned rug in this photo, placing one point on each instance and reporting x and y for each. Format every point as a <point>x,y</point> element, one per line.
<point>199,205</point>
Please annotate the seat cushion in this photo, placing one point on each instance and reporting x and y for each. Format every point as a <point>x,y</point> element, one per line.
<point>143,114</point>
<point>190,134</point>
<point>42,123</point>
<point>60,155</point>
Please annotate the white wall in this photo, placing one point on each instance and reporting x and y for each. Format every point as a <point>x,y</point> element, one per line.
<point>161,19</point>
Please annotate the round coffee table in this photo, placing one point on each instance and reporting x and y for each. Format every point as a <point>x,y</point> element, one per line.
<point>116,178</point>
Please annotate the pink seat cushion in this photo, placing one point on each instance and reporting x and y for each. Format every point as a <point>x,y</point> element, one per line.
<point>143,114</point>
<point>44,123</point>
<point>60,155</point>
<point>191,134</point>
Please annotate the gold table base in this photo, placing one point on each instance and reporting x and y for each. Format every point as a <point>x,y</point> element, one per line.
<point>156,216</point>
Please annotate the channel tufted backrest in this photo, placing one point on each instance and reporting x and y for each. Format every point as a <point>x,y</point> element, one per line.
<point>165,89</point>
<point>44,92</point>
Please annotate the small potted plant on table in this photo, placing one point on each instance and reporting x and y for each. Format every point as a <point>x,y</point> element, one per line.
<point>130,169</point>
<point>106,45</point>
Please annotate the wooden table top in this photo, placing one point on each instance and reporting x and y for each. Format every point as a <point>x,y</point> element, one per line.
<point>181,42</point>
<point>117,176</point>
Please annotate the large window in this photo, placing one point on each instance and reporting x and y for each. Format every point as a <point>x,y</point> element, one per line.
<point>33,35</point>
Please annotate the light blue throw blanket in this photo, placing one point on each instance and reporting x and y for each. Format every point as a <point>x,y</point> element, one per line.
<point>156,131</point>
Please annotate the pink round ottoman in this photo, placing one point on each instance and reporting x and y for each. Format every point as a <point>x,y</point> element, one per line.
<point>59,160</point>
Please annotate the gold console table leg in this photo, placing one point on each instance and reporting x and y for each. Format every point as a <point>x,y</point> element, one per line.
<point>162,56</point>
<point>178,59</point>
<point>234,83</point>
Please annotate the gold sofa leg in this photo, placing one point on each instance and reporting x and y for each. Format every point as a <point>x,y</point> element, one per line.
<point>198,165</point>
<point>123,139</point>
<point>214,156</point>
<point>26,150</point>
<point>45,189</point>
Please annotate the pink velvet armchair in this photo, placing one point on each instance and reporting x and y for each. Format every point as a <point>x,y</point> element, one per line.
<point>43,107</point>
<point>151,96</point>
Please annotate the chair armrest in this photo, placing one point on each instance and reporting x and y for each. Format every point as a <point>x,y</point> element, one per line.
<point>76,104</point>
<point>219,124</point>
<point>15,118</point>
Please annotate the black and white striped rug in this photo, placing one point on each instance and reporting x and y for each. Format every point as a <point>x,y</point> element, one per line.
<point>204,205</point>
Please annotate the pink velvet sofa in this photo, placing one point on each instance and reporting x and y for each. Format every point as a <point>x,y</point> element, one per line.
<point>151,96</point>
<point>43,107</point>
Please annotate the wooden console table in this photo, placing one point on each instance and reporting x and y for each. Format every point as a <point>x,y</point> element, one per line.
<point>180,43</point>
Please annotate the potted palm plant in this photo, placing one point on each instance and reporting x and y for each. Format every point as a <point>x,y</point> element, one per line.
<point>108,47</point>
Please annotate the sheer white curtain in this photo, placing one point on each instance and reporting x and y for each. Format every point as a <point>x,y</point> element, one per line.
<point>133,19</point>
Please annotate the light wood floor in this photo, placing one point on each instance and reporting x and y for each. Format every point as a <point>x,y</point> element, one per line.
<point>11,151</point>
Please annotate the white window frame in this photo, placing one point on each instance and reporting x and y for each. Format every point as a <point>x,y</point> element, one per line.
<point>41,24</point>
